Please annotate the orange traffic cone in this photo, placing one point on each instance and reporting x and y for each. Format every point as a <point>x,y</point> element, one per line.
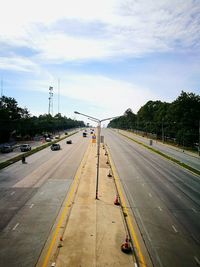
<point>116,202</point>
<point>126,247</point>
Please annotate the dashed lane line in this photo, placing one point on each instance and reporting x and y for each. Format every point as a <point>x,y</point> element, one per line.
<point>15,227</point>
<point>174,228</point>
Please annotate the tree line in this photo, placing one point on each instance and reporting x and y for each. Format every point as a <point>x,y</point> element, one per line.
<point>177,122</point>
<point>16,122</point>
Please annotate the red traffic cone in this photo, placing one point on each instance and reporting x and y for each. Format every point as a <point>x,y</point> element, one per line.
<point>126,247</point>
<point>116,202</point>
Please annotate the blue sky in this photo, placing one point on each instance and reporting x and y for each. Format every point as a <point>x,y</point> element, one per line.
<point>109,55</point>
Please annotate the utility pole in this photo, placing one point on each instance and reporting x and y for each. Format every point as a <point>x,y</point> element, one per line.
<point>58,96</point>
<point>1,87</point>
<point>50,100</point>
<point>199,138</point>
<point>163,136</point>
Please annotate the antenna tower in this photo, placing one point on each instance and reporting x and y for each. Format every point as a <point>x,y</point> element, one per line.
<point>50,100</point>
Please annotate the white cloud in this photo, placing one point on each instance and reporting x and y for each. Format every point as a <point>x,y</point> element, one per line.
<point>132,28</point>
<point>18,64</point>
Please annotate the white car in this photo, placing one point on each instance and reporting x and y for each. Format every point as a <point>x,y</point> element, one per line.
<point>25,147</point>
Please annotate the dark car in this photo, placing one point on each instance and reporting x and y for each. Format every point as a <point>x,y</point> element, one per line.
<point>6,149</point>
<point>69,142</point>
<point>55,147</point>
<point>25,147</point>
<point>84,134</point>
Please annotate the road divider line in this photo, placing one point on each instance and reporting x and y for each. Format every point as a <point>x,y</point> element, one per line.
<point>174,228</point>
<point>197,260</point>
<point>194,210</point>
<point>15,227</point>
<point>125,209</point>
<point>159,208</point>
<point>31,206</point>
<point>70,198</point>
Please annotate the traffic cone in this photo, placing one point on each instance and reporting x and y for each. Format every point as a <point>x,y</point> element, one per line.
<point>116,202</point>
<point>60,245</point>
<point>109,174</point>
<point>126,247</point>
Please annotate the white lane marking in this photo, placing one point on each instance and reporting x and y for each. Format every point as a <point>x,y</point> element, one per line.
<point>150,194</point>
<point>31,206</point>
<point>15,227</point>
<point>197,260</point>
<point>136,264</point>
<point>194,210</point>
<point>12,193</point>
<point>159,208</point>
<point>175,230</point>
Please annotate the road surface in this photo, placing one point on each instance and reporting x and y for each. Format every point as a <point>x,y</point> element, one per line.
<point>31,196</point>
<point>165,200</point>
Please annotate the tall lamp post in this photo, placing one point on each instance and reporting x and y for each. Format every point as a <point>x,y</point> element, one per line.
<point>98,143</point>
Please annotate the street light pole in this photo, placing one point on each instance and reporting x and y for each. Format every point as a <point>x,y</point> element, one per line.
<point>98,143</point>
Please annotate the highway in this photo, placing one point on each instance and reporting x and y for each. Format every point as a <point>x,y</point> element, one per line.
<point>31,196</point>
<point>165,200</point>
<point>184,156</point>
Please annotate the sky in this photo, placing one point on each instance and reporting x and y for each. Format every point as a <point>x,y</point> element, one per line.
<point>100,56</point>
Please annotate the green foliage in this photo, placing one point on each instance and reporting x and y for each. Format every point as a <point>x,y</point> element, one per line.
<point>16,121</point>
<point>177,121</point>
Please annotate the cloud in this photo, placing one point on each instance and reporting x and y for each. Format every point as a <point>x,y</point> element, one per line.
<point>100,30</point>
<point>18,64</point>
<point>110,96</point>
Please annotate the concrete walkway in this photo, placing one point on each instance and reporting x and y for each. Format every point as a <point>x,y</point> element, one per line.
<point>95,229</point>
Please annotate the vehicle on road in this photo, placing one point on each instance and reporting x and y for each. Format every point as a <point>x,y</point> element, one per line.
<point>84,134</point>
<point>69,142</point>
<point>48,139</point>
<point>25,147</point>
<point>6,149</point>
<point>55,147</point>
<point>57,137</point>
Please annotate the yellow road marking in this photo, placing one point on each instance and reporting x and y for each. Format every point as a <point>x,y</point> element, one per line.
<point>130,225</point>
<point>67,206</point>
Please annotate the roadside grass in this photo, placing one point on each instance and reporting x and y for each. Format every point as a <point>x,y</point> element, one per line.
<point>165,156</point>
<point>34,150</point>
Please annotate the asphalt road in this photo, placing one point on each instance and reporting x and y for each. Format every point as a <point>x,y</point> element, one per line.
<point>31,196</point>
<point>165,200</point>
<point>184,156</point>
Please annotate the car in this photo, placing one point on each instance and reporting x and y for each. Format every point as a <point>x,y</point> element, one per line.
<point>55,147</point>
<point>25,147</point>
<point>48,139</point>
<point>57,137</point>
<point>69,142</point>
<point>6,149</point>
<point>84,134</point>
